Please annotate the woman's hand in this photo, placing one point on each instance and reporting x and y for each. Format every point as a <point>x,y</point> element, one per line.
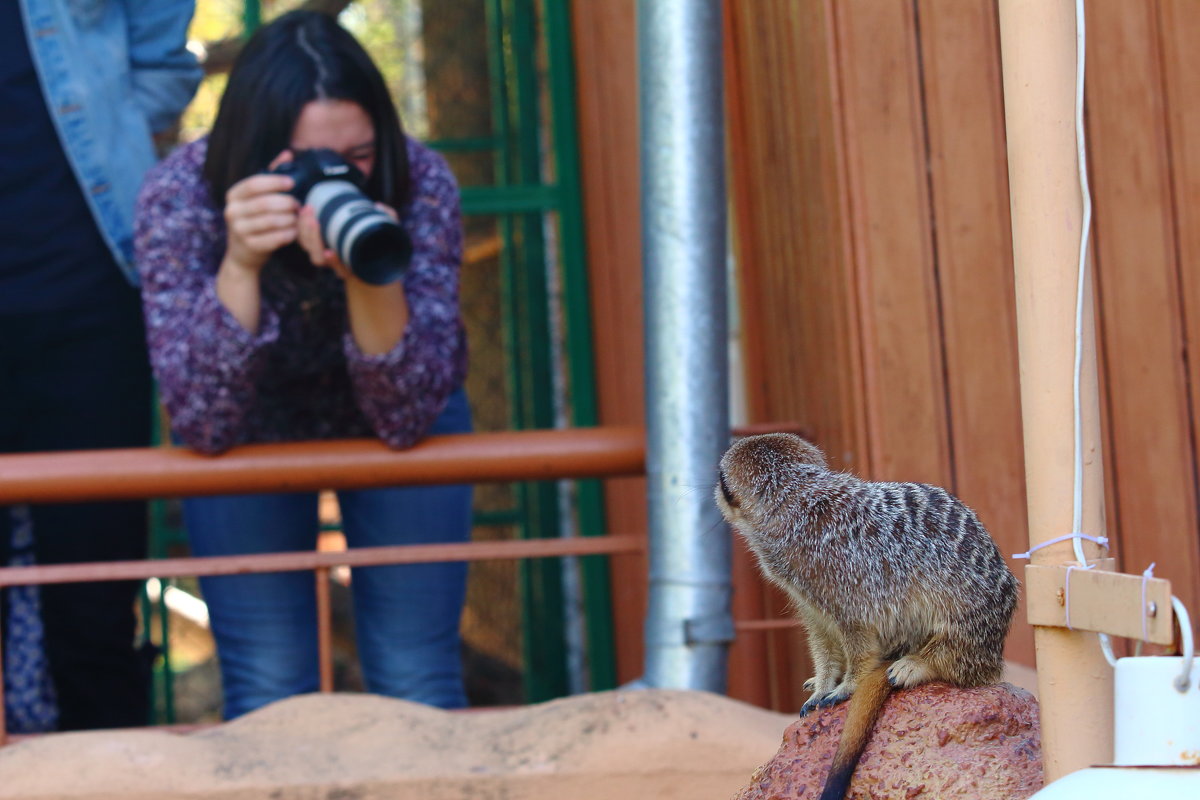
<point>378,314</point>
<point>259,219</point>
<point>309,237</point>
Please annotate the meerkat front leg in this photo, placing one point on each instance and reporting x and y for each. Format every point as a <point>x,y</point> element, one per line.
<point>828,649</point>
<point>860,653</point>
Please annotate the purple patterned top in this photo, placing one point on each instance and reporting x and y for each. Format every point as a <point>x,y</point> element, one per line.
<point>301,376</point>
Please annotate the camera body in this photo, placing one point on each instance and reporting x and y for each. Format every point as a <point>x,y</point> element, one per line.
<point>368,241</point>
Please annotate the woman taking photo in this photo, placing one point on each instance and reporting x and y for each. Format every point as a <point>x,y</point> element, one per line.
<point>258,332</point>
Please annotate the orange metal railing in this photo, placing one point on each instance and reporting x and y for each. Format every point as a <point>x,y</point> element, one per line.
<point>341,464</point>
<point>175,472</point>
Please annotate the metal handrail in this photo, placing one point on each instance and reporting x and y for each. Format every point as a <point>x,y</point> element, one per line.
<point>138,473</point>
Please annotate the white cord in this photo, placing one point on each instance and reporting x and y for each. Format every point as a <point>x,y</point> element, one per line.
<point>1081,148</point>
<point>1100,540</point>
<point>1085,229</point>
<point>1184,680</point>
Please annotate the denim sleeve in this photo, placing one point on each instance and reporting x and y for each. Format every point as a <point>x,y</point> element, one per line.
<point>165,74</point>
<point>205,362</point>
<point>402,392</point>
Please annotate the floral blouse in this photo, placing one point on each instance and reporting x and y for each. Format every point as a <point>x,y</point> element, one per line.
<point>301,375</point>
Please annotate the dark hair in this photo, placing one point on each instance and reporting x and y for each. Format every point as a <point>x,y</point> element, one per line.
<point>300,57</point>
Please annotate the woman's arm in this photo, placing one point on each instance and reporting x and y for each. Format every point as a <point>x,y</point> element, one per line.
<point>403,390</point>
<point>259,219</point>
<point>204,359</point>
<point>378,315</point>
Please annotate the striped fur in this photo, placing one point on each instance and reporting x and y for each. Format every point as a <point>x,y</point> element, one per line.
<point>898,580</point>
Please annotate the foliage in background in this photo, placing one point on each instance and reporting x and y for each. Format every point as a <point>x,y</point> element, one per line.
<point>216,33</point>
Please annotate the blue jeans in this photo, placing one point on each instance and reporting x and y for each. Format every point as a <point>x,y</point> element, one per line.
<point>406,616</point>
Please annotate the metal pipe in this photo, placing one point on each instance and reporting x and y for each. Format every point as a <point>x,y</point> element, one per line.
<point>336,464</point>
<point>40,574</point>
<point>324,629</point>
<point>689,623</point>
<point>1037,42</point>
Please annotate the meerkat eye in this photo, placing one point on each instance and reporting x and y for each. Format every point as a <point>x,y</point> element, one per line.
<point>728,495</point>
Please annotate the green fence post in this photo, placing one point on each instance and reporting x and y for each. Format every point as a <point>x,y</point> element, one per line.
<point>581,365</point>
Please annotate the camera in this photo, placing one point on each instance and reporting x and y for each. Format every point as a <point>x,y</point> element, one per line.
<point>367,240</point>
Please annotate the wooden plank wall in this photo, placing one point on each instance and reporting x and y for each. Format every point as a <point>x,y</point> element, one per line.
<point>910,353</point>
<point>1141,67</point>
<point>869,194</point>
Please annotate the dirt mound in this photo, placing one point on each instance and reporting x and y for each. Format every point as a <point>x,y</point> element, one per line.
<point>653,743</point>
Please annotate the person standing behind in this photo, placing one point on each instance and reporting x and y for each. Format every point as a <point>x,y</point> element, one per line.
<point>84,84</point>
<point>259,333</point>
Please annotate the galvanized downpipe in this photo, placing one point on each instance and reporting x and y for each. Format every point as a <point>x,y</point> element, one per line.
<point>689,623</point>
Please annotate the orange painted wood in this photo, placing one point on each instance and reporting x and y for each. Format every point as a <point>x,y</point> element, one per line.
<point>324,629</point>
<point>886,173</point>
<point>605,42</point>
<point>798,309</point>
<point>1138,270</point>
<point>964,109</point>
<point>1179,27</point>
<point>748,680</point>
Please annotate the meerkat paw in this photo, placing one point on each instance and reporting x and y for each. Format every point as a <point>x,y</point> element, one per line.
<point>907,672</point>
<point>838,694</point>
<point>827,700</point>
<point>822,687</point>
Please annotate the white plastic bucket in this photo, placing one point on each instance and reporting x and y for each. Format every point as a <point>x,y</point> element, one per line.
<point>1156,724</point>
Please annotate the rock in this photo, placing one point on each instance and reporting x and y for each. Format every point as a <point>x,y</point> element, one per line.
<point>604,746</point>
<point>935,741</point>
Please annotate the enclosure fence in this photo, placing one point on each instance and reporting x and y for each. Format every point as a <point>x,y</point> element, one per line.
<point>142,473</point>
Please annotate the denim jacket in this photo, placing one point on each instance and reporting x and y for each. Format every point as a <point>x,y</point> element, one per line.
<point>113,72</point>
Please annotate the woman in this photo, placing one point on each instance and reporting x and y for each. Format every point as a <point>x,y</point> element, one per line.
<point>259,333</point>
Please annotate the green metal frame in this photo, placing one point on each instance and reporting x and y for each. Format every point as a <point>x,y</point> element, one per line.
<point>526,303</point>
<point>516,88</point>
<point>578,318</point>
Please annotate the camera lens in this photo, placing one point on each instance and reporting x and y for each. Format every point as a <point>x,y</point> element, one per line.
<point>367,240</point>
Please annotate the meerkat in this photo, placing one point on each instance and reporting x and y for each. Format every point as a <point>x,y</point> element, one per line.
<point>897,584</point>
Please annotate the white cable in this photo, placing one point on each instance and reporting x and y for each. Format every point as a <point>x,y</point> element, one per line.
<point>1085,229</point>
<point>1184,680</point>
<point>1081,148</point>
<point>1100,540</point>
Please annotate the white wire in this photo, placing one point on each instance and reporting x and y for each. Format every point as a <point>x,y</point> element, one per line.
<point>1085,228</point>
<point>1184,680</point>
<point>1080,42</point>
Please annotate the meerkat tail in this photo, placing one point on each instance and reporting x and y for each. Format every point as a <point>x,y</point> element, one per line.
<point>864,707</point>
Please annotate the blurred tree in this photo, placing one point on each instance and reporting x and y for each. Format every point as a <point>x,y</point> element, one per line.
<point>220,54</point>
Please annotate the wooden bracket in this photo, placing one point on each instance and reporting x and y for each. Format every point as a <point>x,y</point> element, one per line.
<point>1101,600</point>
